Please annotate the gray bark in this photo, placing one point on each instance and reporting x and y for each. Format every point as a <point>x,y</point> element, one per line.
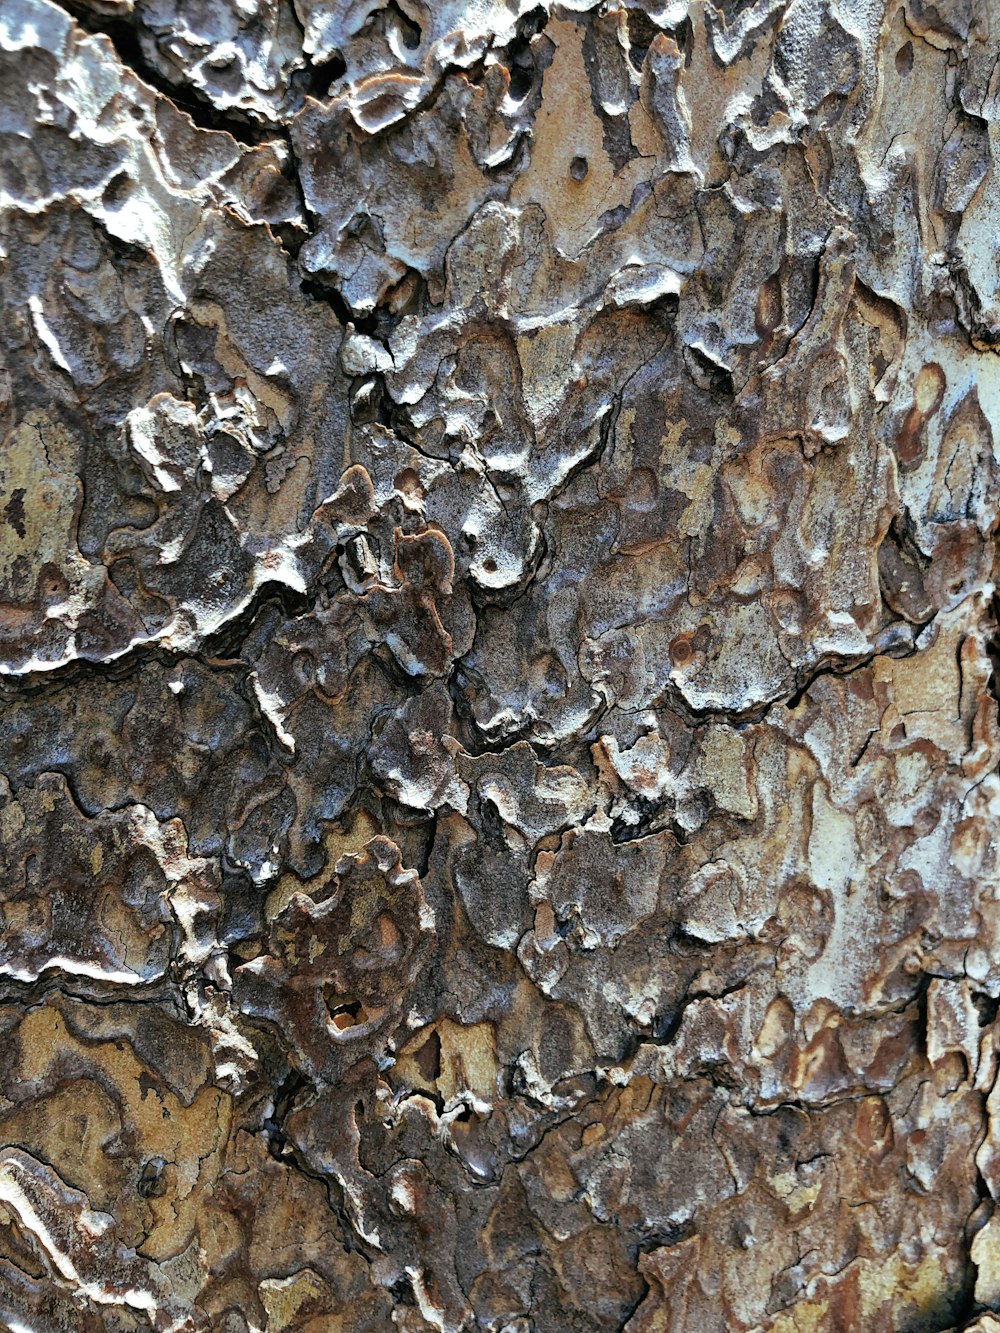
<point>498,769</point>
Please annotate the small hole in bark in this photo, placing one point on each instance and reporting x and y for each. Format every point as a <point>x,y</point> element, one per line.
<point>401,1292</point>
<point>904,58</point>
<point>490,565</point>
<point>150,1178</point>
<point>346,1016</point>
<point>409,32</point>
<point>522,76</point>
<point>681,651</point>
<point>578,168</point>
<point>429,1058</point>
<point>304,666</point>
<point>322,74</point>
<point>116,191</point>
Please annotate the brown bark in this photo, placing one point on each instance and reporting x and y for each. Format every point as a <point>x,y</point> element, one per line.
<point>498,771</point>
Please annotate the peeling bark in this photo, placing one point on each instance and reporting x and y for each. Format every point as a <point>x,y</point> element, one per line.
<point>500,732</point>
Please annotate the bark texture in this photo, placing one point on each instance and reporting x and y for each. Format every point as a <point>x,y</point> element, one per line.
<point>498,765</point>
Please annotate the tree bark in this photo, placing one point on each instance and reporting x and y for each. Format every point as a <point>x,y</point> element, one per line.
<point>498,770</point>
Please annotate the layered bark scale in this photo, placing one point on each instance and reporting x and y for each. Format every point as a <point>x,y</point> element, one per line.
<point>499,753</point>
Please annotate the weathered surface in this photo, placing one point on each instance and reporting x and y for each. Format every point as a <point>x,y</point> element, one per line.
<point>499,761</point>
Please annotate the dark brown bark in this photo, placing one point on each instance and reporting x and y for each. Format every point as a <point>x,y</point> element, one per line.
<point>498,770</point>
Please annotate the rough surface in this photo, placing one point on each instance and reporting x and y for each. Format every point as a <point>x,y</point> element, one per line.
<point>498,770</point>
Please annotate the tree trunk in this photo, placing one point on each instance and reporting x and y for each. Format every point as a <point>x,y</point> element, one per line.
<point>499,748</point>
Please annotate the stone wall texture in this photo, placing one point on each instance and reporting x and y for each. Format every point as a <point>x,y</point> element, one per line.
<point>499,743</point>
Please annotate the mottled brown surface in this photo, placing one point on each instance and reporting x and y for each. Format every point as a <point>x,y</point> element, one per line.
<point>499,759</point>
